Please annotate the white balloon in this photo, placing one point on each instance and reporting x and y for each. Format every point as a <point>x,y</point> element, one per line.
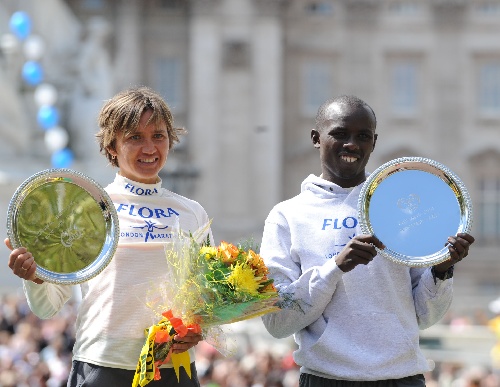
<point>56,138</point>
<point>34,47</point>
<point>45,94</point>
<point>9,43</point>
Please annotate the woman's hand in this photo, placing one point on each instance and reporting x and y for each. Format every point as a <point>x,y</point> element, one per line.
<point>183,343</point>
<point>22,263</point>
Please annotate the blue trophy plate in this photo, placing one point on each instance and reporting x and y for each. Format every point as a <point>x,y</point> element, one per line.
<point>413,205</point>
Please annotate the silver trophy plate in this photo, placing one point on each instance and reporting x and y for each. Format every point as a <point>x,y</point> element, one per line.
<point>67,221</point>
<point>413,205</point>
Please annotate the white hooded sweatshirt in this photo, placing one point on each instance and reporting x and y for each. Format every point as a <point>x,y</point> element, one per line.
<point>362,325</point>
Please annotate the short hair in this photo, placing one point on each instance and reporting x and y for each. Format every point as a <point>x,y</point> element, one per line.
<point>350,100</point>
<point>123,112</point>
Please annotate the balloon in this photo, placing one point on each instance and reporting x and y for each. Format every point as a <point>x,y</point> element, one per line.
<point>20,24</point>
<point>47,116</point>
<point>32,73</point>
<point>62,158</point>
<point>45,94</point>
<point>34,47</point>
<point>56,138</point>
<point>8,43</point>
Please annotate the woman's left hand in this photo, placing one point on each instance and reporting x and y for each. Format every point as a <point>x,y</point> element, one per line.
<point>183,343</point>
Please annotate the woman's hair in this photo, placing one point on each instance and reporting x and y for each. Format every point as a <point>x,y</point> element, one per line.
<point>122,113</point>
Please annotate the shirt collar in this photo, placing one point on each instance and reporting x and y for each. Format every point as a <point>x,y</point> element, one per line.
<point>127,186</point>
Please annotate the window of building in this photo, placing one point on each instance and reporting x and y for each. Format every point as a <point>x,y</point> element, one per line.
<point>169,81</point>
<point>93,4</point>
<point>488,8</point>
<point>488,209</point>
<point>171,4</point>
<point>486,195</point>
<point>319,8</point>
<point>404,8</point>
<point>317,85</point>
<point>489,89</point>
<point>404,88</point>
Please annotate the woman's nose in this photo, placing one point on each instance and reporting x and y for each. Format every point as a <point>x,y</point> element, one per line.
<point>148,146</point>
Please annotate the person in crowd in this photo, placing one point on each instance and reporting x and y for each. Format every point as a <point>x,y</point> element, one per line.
<point>136,134</point>
<point>357,315</point>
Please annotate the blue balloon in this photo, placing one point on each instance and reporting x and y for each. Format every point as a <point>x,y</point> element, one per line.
<point>32,73</point>
<point>47,117</point>
<point>20,24</point>
<point>62,158</point>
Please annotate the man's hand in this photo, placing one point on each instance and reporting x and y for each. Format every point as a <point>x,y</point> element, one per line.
<point>458,247</point>
<point>359,251</point>
<point>22,263</point>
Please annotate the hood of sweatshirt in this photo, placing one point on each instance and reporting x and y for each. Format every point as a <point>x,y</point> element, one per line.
<point>324,188</point>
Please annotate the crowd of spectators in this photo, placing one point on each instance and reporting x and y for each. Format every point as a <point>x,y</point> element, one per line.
<point>37,353</point>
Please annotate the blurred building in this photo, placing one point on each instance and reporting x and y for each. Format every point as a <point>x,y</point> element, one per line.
<point>245,77</point>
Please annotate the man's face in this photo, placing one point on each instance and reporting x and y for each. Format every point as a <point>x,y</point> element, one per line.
<point>345,140</point>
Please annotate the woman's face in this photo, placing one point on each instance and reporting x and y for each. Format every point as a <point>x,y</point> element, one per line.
<point>142,154</point>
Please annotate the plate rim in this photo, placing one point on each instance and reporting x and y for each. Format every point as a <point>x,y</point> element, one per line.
<point>406,163</point>
<point>109,212</point>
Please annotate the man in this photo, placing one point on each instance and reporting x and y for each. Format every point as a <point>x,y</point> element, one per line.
<point>359,314</point>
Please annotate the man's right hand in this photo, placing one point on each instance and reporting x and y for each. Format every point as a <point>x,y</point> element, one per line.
<point>359,251</point>
<point>22,263</point>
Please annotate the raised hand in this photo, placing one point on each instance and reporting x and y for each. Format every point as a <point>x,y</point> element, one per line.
<point>359,251</point>
<point>22,263</point>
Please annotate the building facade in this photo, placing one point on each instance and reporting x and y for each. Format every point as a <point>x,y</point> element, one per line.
<point>245,78</point>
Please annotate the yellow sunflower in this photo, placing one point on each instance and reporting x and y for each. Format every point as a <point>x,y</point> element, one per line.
<point>243,279</point>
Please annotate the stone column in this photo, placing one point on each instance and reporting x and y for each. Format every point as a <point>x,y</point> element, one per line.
<point>266,165</point>
<point>129,40</point>
<point>203,126</point>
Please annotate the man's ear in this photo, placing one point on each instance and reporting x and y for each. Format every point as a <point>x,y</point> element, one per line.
<point>315,138</point>
<point>374,140</point>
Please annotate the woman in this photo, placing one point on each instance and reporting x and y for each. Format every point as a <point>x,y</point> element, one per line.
<point>136,134</point>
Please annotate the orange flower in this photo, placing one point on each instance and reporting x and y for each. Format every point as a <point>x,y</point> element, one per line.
<point>228,252</point>
<point>257,263</point>
<point>270,288</point>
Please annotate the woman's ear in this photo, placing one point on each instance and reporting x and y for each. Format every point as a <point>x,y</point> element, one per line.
<point>111,151</point>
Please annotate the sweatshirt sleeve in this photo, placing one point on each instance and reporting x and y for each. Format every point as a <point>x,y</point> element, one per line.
<point>46,300</point>
<point>432,300</point>
<point>306,294</point>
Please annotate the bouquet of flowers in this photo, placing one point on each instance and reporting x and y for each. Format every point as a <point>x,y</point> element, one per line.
<point>206,287</point>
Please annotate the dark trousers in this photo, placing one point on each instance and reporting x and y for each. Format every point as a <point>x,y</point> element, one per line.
<point>90,375</point>
<point>308,380</point>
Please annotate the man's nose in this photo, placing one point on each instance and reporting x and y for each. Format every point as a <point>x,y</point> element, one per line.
<point>351,143</point>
